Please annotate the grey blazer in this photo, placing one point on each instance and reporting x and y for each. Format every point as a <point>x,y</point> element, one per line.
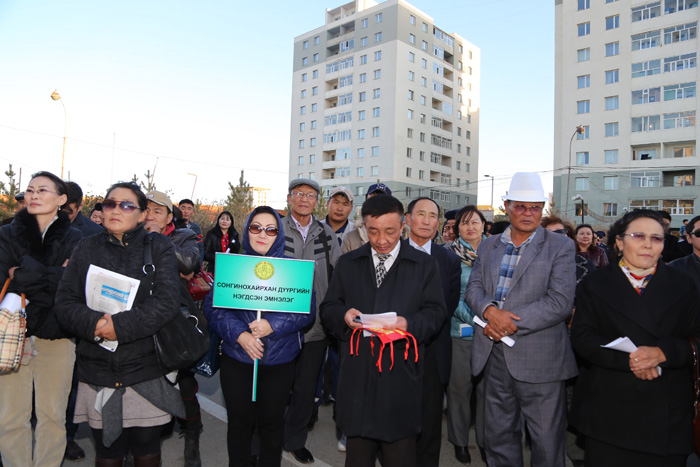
<point>541,293</point>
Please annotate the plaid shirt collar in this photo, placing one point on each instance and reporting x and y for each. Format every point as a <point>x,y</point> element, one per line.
<point>508,264</point>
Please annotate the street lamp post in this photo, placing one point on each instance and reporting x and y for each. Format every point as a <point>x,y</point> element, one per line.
<point>57,97</point>
<point>493,213</point>
<point>580,198</point>
<point>194,184</point>
<point>579,131</point>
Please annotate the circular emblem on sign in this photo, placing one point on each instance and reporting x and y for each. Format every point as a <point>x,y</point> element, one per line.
<point>264,270</point>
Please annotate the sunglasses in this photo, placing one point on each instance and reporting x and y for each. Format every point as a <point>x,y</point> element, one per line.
<point>257,228</point>
<point>696,233</point>
<point>126,206</point>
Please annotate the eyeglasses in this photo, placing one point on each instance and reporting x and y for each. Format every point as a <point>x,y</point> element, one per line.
<point>301,194</point>
<point>639,237</point>
<point>38,191</point>
<point>126,206</point>
<point>521,208</point>
<point>257,228</point>
<point>696,233</point>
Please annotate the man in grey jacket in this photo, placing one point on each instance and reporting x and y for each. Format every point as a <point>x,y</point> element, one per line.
<point>307,238</point>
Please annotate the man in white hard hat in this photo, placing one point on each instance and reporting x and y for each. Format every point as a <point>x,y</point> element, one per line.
<point>522,286</point>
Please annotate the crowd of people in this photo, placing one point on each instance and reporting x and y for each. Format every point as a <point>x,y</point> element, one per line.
<point>509,324</point>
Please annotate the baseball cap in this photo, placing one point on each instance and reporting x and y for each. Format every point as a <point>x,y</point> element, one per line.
<point>161,198</point>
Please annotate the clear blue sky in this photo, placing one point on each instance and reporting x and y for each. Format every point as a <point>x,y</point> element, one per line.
<point>205,88</point>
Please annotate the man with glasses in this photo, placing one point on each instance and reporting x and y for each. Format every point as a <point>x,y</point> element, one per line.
<point>691,264</point>
<point>522,286</point>
<point>307,238</point>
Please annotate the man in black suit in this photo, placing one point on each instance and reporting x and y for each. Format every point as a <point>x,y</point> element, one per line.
<point>423,218</point>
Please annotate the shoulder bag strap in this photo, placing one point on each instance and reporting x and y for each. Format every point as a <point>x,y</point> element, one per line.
<point>326,250</point>
<point>148,267</point>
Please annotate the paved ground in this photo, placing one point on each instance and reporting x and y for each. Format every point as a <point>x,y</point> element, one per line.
<point>321,443</point>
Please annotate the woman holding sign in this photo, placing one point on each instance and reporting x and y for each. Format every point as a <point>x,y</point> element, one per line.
<point>275,341</point>
<point>122,393</point>
<point>636,408</point>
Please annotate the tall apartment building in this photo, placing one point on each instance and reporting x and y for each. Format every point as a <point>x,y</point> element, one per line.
<point>381,93</point>
<point>626,71</point>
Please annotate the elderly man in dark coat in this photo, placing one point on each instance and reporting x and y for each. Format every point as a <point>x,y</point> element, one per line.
<point>379,406</point>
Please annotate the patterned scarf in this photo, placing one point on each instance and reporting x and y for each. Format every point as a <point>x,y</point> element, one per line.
<point>639,278</point>
<point>464,250</point>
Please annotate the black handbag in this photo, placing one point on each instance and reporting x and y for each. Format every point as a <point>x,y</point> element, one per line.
<point>180,343</point>
<point>211,362</point>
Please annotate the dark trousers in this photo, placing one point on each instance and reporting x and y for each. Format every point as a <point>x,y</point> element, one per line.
<point>301,404</point>
<point>141,441</point>
<point>362,452</point>
<point>244,416</point>
<point>428,444</point>
<point>188,393</point>
<point>72,428</point>
<point>600,454</point>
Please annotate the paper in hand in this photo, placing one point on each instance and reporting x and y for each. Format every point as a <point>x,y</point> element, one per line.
<point>624,344</point>
<point>506,339</point>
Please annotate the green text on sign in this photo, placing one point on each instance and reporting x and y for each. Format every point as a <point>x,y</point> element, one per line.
<point>262,283</point>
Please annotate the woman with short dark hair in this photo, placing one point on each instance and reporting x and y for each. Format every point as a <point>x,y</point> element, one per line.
<point>636,408</point>
<point>122,394</point>
<point>222,238</point>
<point>34,250</point>
<point>586,247</point>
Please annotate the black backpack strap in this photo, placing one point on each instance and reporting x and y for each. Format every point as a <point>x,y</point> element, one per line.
<point>326,250</point>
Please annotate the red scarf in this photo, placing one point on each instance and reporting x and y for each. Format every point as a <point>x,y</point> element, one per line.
<point>224,242</point>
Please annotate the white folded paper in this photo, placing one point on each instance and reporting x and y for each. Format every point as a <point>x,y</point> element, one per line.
<point>380,320</point>
<point>12,302</point>
<point>624,344</point>
<point>505,339</point>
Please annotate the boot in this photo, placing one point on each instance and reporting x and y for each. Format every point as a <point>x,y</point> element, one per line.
<point>192,458</point>
<point>109,462</point>
<point>150,460</point>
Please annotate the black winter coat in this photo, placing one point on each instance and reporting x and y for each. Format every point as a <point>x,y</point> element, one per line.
<point>385,406</point>
<point>212,245</point>
<point>40,267</point>
<point>134,360</point>
<point>611,404</point>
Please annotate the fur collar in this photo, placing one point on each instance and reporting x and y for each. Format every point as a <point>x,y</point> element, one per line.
<point>28,232</point>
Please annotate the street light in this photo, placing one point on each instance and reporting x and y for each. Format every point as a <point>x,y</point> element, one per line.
<point>195,183</point>
<point>580,198</point>
<point>57,97</point>
<point>579,131</point>
<point>493,214</point>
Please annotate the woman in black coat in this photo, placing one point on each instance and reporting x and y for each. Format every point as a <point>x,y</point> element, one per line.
<point>34,250</point>
<point>127,382</point>
<point>222,238</point>
<point>636,408</point>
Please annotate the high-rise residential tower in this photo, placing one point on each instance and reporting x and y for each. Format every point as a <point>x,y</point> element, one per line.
<point>626,72</point>
<point>382,93</point>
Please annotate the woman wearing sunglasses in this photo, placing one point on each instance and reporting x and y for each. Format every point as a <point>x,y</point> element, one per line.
<point>122,393</point>
<point>275,340</point>
<point>636,408</point>
<point>34,250</point>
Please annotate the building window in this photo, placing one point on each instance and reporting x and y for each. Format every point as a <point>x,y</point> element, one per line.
<point>363,96</point>
<point>377,55</point>
<point>363,59</point>
<point>376,93</point>
<point>303,110</point>
<point>645,154</point>
<point>375,170</point>
<point>683,151</point>
<point>645,12</point>
<point>363,23</point>
<point>584,81</point>
<point>645,96</point>
<point>612,103</point>
<point>302,126</point>
<point>680,62</point>
<point>315,57</point>
<point>681,33</point>
<point>679,120</point>
<point>648,68</point>
<point>375,151</point>
<point>423,81</point>
<point>412,20</point>
<point>410,95</point>
<point>421,156</point>
<point>612,76</point>
<point>305,44</point>
<point>581,183</point>
<point>422,100</point>
<point>612,49</point>
<point>301,160</point>
<point>305,61</point>
<point>679,91</point>
<point>421,174</point>
<point>378,37</point>
<point>646,123</point>
<point>582,158</point>
<point>425,27</point>
<point>409,153</point>
<point>610,183</point>
<point>584,55</point>
<point>314,107</point>
<point>424,45</point>
<point>377,74</point>
<point>363,77</point>
<point>314,90</point>
<point>422,118</point>
<point>612,22</point>
<point>458,165</point>
<point>411,76</point>
<point>611,156</point>
<point>361,134</point>
<point>610,209</point>
<point>646,40</point>
<point>672,6</point>
<point>412,38</point>
<point>408,172</point>
<point>584,29</point>
<point>410,114</point>
<point>379,17</point>
<point>317,40</point>
<point>645,179</point>
<point>361,115</point>
<point>583,107</point>
<point>375,112</point>
<point>303,78</point>
<point>375,132</point>
<point>411,57</point>
<point>363,42</point>
<point>313,142</point>
<point>361,153</point>
<point>313,124</point>
<point>584,4</point>
<point>612,129</point>
<point>301,146</point>
<point>586,133</point>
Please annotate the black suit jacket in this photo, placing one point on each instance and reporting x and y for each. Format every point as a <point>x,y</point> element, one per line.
<point>450,268</point>
<point>610,403</point>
